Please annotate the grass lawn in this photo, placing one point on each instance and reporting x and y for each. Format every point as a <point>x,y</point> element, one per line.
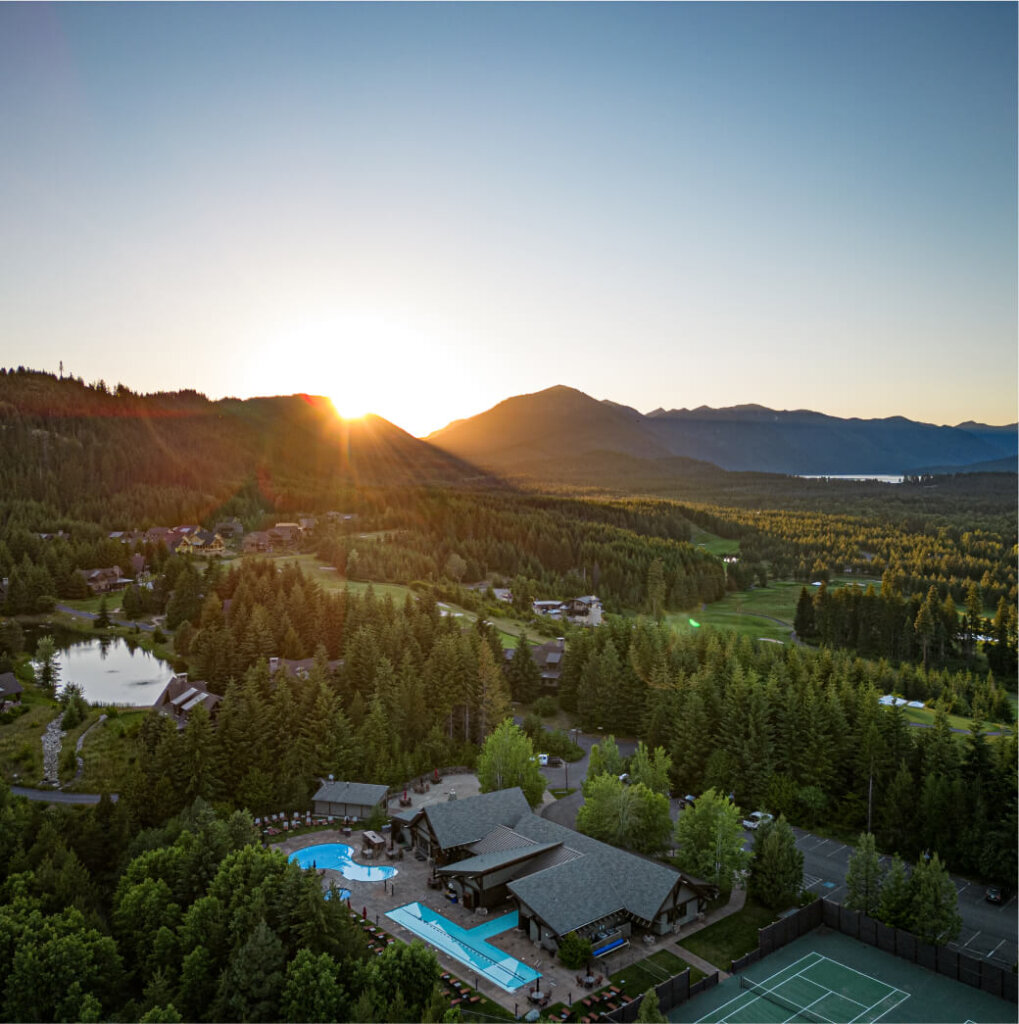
<point>653,970</point>
<point>730,938</point>
<point>751,612</point>
<point>91,604</point>
<point>926,717</point>
<point>712,543</point>
<point>21,740</point>
<point>108,751</point>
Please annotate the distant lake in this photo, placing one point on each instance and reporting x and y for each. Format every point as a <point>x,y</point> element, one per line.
<point>110,671</point>
<point>884,478</point>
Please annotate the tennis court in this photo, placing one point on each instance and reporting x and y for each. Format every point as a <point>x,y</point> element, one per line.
<point>814,989</point>
<point>829,978</point>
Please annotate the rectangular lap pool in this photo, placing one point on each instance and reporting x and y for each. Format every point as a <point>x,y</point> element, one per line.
<point>468,945</point>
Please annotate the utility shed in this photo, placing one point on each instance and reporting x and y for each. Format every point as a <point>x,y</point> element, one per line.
<point>350,799</point>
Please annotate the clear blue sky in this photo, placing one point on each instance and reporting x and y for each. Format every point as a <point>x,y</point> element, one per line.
<point>421,210</point>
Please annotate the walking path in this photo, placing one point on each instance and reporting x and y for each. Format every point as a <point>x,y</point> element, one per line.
<point>737,898</point>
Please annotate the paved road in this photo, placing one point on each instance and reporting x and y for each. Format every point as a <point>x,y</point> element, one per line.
<point>564,811</point>
<point>988,931</point>
<point>148,627</point>
<point>55,796</point>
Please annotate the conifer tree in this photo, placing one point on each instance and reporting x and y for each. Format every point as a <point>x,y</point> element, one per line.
<point>863,877</point>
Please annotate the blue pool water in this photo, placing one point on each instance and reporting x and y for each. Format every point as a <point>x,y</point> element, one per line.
<point>468,945</point>
<point>343,894</point>
<point>339,857</point>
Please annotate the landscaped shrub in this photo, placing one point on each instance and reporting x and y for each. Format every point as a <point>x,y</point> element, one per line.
<point>574,952</point>
<point>545,706</point>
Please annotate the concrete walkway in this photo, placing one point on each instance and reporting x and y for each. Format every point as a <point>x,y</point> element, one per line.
<point>737,899</point>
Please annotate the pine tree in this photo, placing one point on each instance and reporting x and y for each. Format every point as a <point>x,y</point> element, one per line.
<point>863,877</point>
<point>776,870</point>
<point>650,1011</point>
<point>895,904</point>
<point>934,914</point>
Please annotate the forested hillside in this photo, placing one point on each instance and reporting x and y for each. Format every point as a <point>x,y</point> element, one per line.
<point>117,458</point>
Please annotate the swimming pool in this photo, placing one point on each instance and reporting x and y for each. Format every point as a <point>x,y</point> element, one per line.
<point>468,945</point>
<point>340,857</point>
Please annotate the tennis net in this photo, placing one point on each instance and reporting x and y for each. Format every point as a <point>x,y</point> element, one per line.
<point>802,1013</point>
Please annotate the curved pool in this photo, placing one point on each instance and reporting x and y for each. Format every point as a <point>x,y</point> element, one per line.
<point>340,857</point>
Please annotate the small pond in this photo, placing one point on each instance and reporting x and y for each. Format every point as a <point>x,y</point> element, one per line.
<point>112,671</point>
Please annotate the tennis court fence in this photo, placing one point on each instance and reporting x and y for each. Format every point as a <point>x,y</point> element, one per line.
<point>672,992</point>
<point>972,971</point>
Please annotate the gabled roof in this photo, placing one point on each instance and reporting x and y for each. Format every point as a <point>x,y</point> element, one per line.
<point>573,880</point>
<point>362,793</point>
<point>459,822</point>
<point>497,859</point>
<point>9,685</point>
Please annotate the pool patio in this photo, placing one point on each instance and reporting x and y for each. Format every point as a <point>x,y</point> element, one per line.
<point>376,899</point>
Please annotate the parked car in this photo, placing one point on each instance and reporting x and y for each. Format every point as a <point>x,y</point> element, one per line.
<point>543,760</point>
<point>625,779</point>
<point>554,762</point>
<point>757,819</point>
<point>687,801</point>
<point>994,894</point>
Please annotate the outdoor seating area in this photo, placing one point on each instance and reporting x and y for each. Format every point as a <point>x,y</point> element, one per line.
<point>456,992</point>
<point>605,1001</point>
<point>284,821</point>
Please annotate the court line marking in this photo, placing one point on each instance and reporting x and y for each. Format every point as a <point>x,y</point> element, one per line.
<point>862,975</point>
<point>815,959</point>
<point>734,999</point>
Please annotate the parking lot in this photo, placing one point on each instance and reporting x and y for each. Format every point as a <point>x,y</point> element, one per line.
<point>988,930</point>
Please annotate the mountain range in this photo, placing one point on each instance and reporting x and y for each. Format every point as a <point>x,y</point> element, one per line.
<point>530,433</point>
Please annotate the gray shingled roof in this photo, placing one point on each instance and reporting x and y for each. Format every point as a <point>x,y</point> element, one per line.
<point>497,859</point>
<point>362,793</point>
<point>459,822</point>
<point>574,879</point>
<point>9,684</point>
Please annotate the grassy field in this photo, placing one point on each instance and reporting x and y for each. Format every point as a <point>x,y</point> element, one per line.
<point>653,970</point>
<point>712,543</point>
<point>752,612</point>
<point>108,751</point>
<point>731,937</point>
<point>926,717</point>
<point>91,604</point>
<point>21,740</point>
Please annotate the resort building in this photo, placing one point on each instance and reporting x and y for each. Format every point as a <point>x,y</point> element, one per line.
<point>492,847</point>
<point>354,800</point>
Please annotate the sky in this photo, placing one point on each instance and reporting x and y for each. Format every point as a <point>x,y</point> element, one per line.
<point>421,210</point>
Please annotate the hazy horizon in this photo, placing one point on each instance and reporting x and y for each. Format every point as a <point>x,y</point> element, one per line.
<point>421,210</point>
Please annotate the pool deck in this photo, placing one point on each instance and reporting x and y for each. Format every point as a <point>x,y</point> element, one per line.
<point>410,885</point>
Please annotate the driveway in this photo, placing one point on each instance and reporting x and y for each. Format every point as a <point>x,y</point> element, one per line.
<point>564,811</point>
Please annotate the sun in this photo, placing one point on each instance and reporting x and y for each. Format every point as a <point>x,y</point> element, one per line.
<point>346,409</point>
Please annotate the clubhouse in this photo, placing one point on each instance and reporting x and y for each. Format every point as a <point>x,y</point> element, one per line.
<point>492,848</point>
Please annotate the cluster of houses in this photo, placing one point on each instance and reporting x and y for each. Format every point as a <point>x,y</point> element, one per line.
<point>581,611</point>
